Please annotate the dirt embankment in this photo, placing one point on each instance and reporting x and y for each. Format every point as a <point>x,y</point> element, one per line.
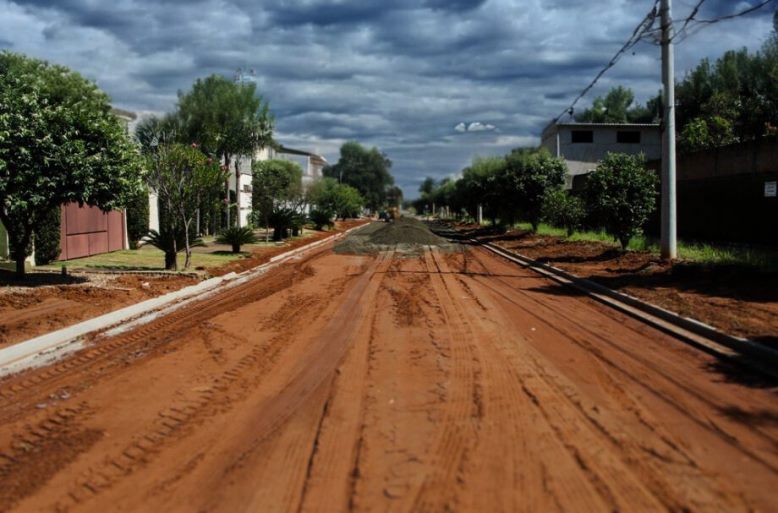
<point>738,300</point>
<point>48,301</point>
<point>451,381</point>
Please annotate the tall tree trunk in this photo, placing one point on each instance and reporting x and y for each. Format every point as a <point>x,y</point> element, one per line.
<point>237,192</point>
<point>170,261</point>
<point>188,248</point>
<point>227,165</point>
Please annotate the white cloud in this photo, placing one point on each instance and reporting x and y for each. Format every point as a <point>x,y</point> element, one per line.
<point>477,126</point>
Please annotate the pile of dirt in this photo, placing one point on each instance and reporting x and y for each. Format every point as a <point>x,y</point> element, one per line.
<point>405,235</point>
<point>405,231</point>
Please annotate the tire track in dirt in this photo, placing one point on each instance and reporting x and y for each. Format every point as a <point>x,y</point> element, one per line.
<point>593,328</point>
<point>176,420</point>
<point>96,361</point>
<point>578,486</point>
<point>663,464</point>
<point>59,438</point>
<point>458,432</point>
<point>333,466</point>
<point>281,426</point>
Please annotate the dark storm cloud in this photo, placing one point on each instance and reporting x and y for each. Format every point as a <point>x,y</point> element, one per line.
<point>398,74</point>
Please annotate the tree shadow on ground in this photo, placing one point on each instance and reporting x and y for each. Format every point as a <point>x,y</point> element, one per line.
<point>604,256</point>
<point>726,281</point>
<point>38,279</point>
<point>761,418</point>
<point>740,369</point>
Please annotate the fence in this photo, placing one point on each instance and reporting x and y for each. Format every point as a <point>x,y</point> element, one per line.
<point>88,231</point>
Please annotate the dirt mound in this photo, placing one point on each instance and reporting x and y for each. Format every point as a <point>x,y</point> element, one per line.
<point>404,235</point>
<point>405,231</point>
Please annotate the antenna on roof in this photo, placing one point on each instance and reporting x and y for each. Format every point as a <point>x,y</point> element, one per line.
<point>242,76</point>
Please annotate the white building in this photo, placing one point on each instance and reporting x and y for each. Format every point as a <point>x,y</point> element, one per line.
<point>311,164</point>
<point>583,145</point>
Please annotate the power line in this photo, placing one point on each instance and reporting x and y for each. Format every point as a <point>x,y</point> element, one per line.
<point>686,31</point>
<point>642,28</point>
<point>645,30</point>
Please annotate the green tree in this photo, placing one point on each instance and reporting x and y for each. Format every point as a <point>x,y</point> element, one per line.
<point>47,237</point>
<point>368,171</point>
<point>427,186</point>
<point>621,194</point>
<point>59,143</point>
<point>334,199</point>
<point>277,193</point>
<point>479,185</point>
<point>228,120</point>
<point>138,216</point>
<point>564,210</point>
<point>618,106</point>
<point>181,175</point>
<point>528,177</point>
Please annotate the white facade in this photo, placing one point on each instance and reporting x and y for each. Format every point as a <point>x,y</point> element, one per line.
<point>584,145</point>
<point>244,198</point>
<point>311,164</point>
<point>153,211</point>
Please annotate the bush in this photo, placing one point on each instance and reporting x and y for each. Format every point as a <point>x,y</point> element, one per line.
<point>524,182</point>
<point>321,219</point>
<point>138,217</point>
<point>564,210</point>
<point>47,236</point>
<point>236,237</point>
<point>171,243</point>
<point>621,195</point>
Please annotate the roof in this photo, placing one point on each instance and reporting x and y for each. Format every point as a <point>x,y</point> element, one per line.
<point>292,151</point>
<point>124,113</point>
<point>549,128</point>
<point>612,125</point>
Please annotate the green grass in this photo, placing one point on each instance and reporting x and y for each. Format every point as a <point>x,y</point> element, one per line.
<point>702,253</point>
<point>143,259</point>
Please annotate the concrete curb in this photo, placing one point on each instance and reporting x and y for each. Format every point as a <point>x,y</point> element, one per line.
<point>50,347</point>
<point>697,333</point>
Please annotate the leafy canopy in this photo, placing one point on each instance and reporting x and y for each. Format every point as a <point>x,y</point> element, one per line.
<point>225,118</point>
<point>59,143</point>
<point>528,177</point>
<point>182,177</point>
<point>621,194</point>
<point>329,197</point>
<point>275,183</point>
<point>618,106</point>
<point>368,171</point>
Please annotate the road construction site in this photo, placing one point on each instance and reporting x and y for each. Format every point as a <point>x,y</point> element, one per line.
<point>394,371</point>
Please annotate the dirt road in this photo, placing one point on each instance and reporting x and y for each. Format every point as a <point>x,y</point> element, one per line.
<point>449,381</point>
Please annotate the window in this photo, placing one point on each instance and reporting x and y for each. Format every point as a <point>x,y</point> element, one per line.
<point>583,136</point>
<point>628,137</point>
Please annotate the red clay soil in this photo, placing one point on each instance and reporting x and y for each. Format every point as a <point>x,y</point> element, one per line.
<point>27,312</point>
<point>737,300</point>
<point>54,302</point>
<point>450,382</point>
<point>263,255</point>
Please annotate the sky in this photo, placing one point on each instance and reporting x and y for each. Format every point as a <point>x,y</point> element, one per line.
<point>432,83</point>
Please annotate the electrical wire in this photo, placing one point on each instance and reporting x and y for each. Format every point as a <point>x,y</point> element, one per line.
<point>645,26</point>
<point>646,31</point>
<point>687,31</point>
